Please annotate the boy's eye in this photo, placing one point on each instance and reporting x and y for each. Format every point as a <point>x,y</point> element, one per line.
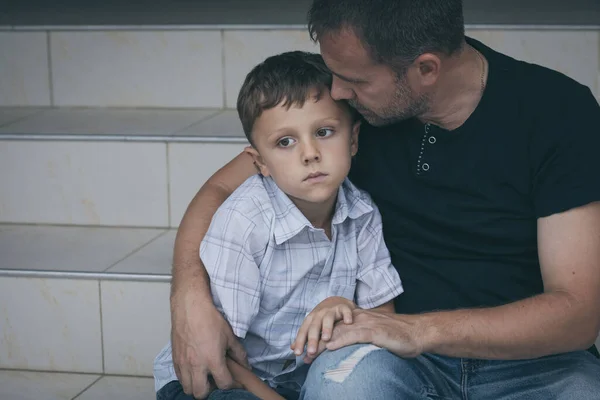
<point>285,142</point>
<point>324,132</point>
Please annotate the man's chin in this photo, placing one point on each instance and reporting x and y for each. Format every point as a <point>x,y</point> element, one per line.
<point>377,121</point>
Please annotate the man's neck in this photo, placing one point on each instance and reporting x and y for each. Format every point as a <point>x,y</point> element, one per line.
<point>459,90</point>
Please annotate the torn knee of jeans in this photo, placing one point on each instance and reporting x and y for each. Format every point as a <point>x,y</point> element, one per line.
<point>340,372</point>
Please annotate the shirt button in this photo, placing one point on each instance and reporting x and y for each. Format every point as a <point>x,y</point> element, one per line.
<point>432,139</point>
<point>425,167</point>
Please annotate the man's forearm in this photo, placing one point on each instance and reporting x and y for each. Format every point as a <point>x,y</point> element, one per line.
<point>542,325</point>
<point>187,266</point>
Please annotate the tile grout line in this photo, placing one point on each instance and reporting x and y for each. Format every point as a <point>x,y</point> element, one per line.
<point>164,232</point>
<point>87,387</point>
<point>49,54</point>
<point>101,325</point>
<point>75,373</point>
<point>223,74</point>
<point>168,177</point>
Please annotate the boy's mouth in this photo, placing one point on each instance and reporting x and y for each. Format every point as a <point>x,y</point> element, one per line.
<point>315,175</point>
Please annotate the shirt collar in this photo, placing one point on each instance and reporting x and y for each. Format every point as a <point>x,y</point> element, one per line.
<point>289,220</point>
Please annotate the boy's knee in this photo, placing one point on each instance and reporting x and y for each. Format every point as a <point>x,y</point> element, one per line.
<point>353,372</point>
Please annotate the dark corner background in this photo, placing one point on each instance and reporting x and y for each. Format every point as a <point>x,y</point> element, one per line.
<point>269,12</point>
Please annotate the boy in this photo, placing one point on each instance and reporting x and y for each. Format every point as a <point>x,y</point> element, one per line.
<point>292,249</point>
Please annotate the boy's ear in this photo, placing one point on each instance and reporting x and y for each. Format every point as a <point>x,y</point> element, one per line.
<point>354,138</point>
<point>258,161</point>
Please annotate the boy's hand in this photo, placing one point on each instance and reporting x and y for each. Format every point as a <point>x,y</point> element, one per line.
<point>317,327</point>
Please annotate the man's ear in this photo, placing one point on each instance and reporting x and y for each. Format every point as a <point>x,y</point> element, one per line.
<point>354,138</point>
<point>258,161</point>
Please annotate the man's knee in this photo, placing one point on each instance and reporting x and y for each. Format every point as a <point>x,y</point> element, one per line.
<point>358,371</point>
<point>581,382</point>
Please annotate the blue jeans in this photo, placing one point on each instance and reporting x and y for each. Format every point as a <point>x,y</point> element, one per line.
<point>174,391</point>
<point>378,374</point>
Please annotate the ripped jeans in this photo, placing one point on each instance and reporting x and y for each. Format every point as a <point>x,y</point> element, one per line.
<point>368,372</point>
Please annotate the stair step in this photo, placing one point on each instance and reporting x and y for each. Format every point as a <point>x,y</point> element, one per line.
<point>87,300</point>
<point>110,167</point>
<point>29,385</point>
<point>106,124</point>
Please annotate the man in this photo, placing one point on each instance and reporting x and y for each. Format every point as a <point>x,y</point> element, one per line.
<point>485,170</point>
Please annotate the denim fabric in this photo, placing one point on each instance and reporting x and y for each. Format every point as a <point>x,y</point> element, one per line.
<point>382,375</point>
<point>174,391</point>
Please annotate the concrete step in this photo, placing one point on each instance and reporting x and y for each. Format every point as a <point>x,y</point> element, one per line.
<point>85,300</point>
<point>29,385</point>
<point>109,167</point>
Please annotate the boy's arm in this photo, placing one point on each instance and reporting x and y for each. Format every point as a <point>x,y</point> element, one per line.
<point>200,336</point>
<point>251,382</point>
<point>378,282</point>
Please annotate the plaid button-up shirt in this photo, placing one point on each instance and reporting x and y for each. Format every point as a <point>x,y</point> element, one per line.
<point>269,267</point>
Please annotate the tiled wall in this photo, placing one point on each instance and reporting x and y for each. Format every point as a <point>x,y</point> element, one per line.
<point>104,183</point>
<point>113,327</point>
<point>204,68</point>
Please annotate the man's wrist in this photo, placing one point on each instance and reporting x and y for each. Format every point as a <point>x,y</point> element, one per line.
<point>427,332</point>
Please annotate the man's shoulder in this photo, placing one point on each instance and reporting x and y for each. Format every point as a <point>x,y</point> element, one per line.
<point>532,80</point>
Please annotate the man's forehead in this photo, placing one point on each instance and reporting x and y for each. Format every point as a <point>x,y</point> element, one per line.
<point>343,46</point>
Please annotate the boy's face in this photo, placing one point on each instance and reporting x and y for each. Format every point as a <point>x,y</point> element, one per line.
<point>307,151</point>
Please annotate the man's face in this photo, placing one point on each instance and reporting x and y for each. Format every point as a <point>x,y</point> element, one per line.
<point>375,90</point>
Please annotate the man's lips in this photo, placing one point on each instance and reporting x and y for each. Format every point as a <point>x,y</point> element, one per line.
<point>314,175</point>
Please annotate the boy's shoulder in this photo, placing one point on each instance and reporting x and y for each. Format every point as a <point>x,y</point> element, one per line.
<point>251,199</point>
<point>358,202</point>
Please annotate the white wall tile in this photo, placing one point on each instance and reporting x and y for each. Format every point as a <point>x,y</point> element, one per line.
<point>28,385</point>
<point>50,324</point>
<point>139,69</point>
<point>245,49</point>
<point>91,183</point>
<point>62,248</point>
<point>574,53</point>
<point>136,325</point>
<point>190,165</point>
<point>24,76</point>
<point>114,387</point>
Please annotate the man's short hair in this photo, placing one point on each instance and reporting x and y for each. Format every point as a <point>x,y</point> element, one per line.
<point>288,78</point>
<point>395,32</point>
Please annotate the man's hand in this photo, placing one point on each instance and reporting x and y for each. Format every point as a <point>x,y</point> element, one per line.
<point>201,338</point>
<point>397,333</point>
<point>318,326</point>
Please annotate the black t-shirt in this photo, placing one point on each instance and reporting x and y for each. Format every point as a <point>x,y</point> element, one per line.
<point>459,207</point>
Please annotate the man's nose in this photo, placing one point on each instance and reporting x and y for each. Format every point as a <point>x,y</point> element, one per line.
<point>339,91</point>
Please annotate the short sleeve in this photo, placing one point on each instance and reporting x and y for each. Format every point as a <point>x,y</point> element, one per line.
<point>566,154</point>
<point>377,280</point>
<point>231,252</point>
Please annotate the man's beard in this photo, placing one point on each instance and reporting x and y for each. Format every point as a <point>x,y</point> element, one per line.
<point>403,105</point>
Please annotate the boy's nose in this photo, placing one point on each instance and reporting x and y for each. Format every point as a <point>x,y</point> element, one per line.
<point>311,153</point>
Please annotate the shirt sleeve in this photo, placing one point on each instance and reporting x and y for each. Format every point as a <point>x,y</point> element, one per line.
<point>378,280</point>
<point>231,252</point>
<point>566,169</point>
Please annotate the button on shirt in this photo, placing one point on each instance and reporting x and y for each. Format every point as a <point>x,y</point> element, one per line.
<point>269,267</point>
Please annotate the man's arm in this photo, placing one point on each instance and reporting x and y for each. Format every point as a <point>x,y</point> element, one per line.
<point>200,336</point>
<point>566,317</point>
